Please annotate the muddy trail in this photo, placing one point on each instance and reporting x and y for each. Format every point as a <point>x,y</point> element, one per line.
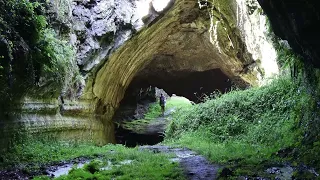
<point>195,166</point>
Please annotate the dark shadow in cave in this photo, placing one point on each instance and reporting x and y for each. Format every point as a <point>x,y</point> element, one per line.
<point>187,84</point>
<point>132,139</point>
<point>141,92</point>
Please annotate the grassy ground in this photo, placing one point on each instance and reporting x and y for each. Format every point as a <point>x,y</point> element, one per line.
<point>176,102</point>
<point>45,150</point>
<point>154,112</point>
<point>246,127</point>
<point>31,153</point>
<point>144,165</point>
<point>244,130</point>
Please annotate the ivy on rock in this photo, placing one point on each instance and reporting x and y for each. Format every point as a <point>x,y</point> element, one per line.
<point>33,58</point>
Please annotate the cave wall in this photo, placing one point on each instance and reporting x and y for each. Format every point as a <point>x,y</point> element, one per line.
<point>94,29</point>
<point>69,121</point>
<point>226,44</point>
<point>184,39</point>
<point>298,23</point>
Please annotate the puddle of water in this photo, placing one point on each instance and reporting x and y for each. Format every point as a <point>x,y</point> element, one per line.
<point>184,154</point>
<point>64,170</point>
<point>126,162</point>
<point>175,159</point>
<point>108,167</point>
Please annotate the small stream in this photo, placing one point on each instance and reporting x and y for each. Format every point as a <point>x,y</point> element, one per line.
<point>57,171</point>
<point>196,166</point>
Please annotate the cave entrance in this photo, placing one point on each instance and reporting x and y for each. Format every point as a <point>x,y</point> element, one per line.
<point>139,119</point>
<point>135,126</point>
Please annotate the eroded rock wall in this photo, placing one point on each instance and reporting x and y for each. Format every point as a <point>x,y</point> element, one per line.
<point>181,41</point>
<point>298,23</point>
<point>253,24</point>
<point>69,121</point>
<point>186,39</point>
<point>94,28</point>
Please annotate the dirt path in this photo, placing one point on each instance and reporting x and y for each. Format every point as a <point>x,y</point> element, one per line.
<point>159,124</point>
<point>195,166</point>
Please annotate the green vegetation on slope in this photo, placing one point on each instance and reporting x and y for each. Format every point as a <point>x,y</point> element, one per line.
<point>175,102</point>
<point>154,112</point>
<point>247,127</point>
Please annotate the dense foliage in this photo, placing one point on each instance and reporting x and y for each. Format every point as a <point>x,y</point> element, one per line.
<point>240,114</point>
<point>31,55</point>
<point>251,126</point>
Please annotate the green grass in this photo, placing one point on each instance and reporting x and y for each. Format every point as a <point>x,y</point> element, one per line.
<point>224,152</point>
<point>32,154</point>
<point>145,165</point>
<point>245,127</point>
<point>154,112</point>
<point>173,102</point>
<point>46,150</point>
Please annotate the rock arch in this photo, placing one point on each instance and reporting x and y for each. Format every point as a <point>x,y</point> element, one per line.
<point>178,42</point>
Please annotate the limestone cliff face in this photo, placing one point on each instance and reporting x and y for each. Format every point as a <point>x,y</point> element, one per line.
<point>189,45</point>
<point>297,22</point>
<point>101,27</point>
<point>253,25</point>
<point>185,40</point>
<point>96,28</point>
<point>70,121</point>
